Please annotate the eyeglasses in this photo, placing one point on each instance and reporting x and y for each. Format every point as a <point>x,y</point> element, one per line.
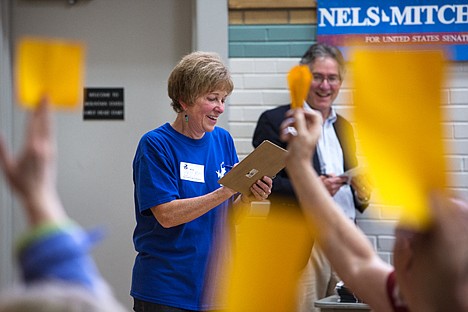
<point>333,80</point>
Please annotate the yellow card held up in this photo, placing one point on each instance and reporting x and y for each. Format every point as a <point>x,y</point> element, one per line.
<point>49,68</point>
<point>267,263</point>
<point>299,80</point>
<point>399,123</point>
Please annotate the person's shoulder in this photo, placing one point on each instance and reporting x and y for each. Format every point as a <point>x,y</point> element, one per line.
<point>161,130</point>
<point>160,133</point>
<point>274,115</point>
<point>341,117</point>
<point>277,110</point>
<point>342,120</point>
<point>221,132</point>
<point>222,137</point>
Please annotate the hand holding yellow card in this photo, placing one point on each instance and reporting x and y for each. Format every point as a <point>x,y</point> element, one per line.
<point>49,68</point>
<point>399,121</point>
<point>299,79</point>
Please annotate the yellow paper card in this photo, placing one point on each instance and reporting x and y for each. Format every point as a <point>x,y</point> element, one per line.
<point>268,261</point>
<point>299,80</point>
<point>49,68</point>
<point>398,120</point>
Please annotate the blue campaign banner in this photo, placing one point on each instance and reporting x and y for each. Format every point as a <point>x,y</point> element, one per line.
<point>439,23</point>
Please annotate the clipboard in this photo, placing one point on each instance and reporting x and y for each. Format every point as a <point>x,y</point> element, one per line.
<point>266,160</point>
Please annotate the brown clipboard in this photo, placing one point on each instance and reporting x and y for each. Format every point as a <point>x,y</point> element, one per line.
<point>266,160</point>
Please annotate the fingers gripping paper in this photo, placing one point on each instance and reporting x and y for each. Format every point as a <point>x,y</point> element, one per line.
<point>398,117</point>
<point>49,68</point>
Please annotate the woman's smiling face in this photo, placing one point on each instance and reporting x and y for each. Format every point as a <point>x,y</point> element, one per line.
<point>322,93</point>
<point>204,113</point>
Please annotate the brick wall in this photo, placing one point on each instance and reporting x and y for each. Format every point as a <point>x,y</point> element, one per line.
<point>270,40</point>
<point>273,16</point>
<point>260,84</point>
<point>271,28</point>
<point>272,12</point>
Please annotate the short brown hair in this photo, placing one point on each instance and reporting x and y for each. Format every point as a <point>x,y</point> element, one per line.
<point>197,74</point>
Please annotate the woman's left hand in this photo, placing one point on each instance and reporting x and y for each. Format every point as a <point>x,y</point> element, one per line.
<point>262,188</point>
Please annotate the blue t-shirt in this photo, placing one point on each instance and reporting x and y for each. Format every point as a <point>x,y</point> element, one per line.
<point>171,265</point>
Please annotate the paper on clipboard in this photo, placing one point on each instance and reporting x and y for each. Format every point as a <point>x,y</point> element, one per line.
<point>266,160</point>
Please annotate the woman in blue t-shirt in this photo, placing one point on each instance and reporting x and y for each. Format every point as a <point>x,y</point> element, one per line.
<point>182,212</point>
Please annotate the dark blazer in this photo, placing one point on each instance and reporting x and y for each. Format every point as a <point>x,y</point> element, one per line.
<point>268,127</point>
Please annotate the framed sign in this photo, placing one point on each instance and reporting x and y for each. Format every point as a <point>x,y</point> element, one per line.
<point>103,104</point>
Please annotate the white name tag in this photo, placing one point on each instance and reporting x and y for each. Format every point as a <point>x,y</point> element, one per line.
<point>192,172</point>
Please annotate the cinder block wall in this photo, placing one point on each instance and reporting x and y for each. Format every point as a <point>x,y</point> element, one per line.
<point>260,84</point>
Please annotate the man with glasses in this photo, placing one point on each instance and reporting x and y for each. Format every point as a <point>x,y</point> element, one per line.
<point>334,155</point>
